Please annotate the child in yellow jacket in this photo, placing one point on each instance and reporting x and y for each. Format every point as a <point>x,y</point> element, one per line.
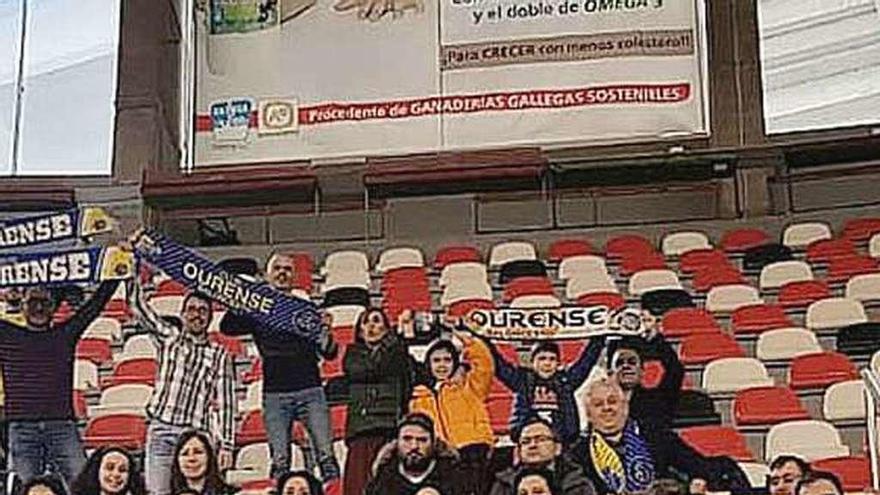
<point>455,398</point>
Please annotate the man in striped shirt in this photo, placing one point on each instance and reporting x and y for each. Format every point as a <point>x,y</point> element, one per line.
<point>194,386</point>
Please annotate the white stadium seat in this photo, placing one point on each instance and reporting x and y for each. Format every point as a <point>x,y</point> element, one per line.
<point>845,401</point>
<point>800,235</point>
<point>678,243</point>
<point>864,287</point>
<point>345,261</point>
<point>648,280</point>
<point>728,375</point>
<point>403,257</point>
<point>583,266</point>
<point>728,298</point>
<point>808,439</point>
<point>874,246</point>
<point>506,252</point>
<point>167,305</point>
<point>467,271</point>
<point>535,301</point>
<point>577,287</point>
<point>476,289</point>
<point>775,275</point>
<point>104,328</point>
<point>835,312</point>
<point>345,315</point>
<point>139,346</point>
<point>756,473</point>
<point>85,375</point>
<point>786,344</point>
<point>127,398</point>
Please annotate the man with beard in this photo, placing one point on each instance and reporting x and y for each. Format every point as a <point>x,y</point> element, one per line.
<point>627,364</point>
<point>538,448</point>
<point>415,463</point>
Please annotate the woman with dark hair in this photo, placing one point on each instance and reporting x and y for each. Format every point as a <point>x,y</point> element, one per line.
<point>378,371</point>
<point>195,466</point>
<point>109,471</point>
<point>44,485</point>
<point>298,483</point>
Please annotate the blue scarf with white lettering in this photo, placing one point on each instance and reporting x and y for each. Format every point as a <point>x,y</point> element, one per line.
<point>61,268</point>
<point>68,225</point>
<point>281,314</point>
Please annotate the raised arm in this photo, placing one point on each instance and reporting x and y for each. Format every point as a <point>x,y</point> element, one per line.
<point>235,324</point>
<point>512,376</point>
<point>673,375</point>
<point>225,400</point>
<point>580,370</point>
<point>479,378</point>
<point>147,317</point>
<point>91,309</point>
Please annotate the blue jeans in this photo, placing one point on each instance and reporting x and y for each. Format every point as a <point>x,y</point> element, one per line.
<point>281,409</point>
<point>39,446</point>
<point>161,442</point>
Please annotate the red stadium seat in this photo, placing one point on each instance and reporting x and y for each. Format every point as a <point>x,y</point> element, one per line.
<point>460,309</point>
<point>127,431</point>
<point>698,259</point>
<point>622,245</point>
<point>80,408</point>
<point>767,406</point>
<point>405,277</point>
<point>716,441</point>
<point>233,345</point>
<point>636,262</point>
<point>345,335</point>
<point>861,229</point>
<point>824,250</point>
<point>527,286</point>
<point>565,248</point>
<point>117,309</point>
<point>96,350</point>
<point>570,350</point>
<point>455,254</point>
<point>338,418</point>
<point>332,368</point>
<point>509,352</point>
<point>843,268</point>
<point>303,266</point>
<point>252,429</point>
<point>63,313</point>
<point>702,348</point>
<point>820,370</point>
<point>611,300</point>
<point>679,322</point>
<point>739,240</point>
<point>853,472</point>
<point>499,409</point>
<point>716,275</point>
<point>254,374</point>
<point>759,318</point>
<point>138,370</point>
<point>170,288</point>
<point>803,293</point>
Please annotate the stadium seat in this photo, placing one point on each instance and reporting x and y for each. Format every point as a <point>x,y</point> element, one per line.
<point>254,373</point>
<point>131,398</point>
<point>455,254</point>
<point>800,235</point>
<point>845,401</point>
<point>874,246</point>
<point>758,318</point>
<point>757,474</point>
<point>835,312</point>
<point>626,244</point>
<point>577,287</point>
<point>680,322</point>
<point>117,309</point>
<point>345,261</point>
<point>756,258</point>
<point>134,370</point>
<point>808,439</point>
<point>729,298</point>
<point>713,276</point>
<point>802,294</point>
<point>632,263</point>
<point>80,405</point>
<point>345,280</point>
<point>678,243</point>
<point>853,472</point>
<point>85,375</point>
<point>825,250</point>
<point>875,362</point>
<point>767,406</point>
<point>695,408</point>
<point>648,280</point>
<point>303,267</point>
<point>843,268</point>
<point>462,308</point>
<point>566,248</point>
<point>820,370</point>
<point>138,346</point>
<point>506,252</point>
<point>170,288</point>
<point>233,345</point>
<point>786,344</point>
<point>345,315</point>
<point>128,431</point>
<point>702,348</point>
<point>717,440</point>
<point>660,301</point>
<point>730,375</point>
<point>166,305</point>
<point>466,291</point>
<point>864,288</point>
<point>346,296</point>
<point>611,300</point>
<point>534,302</point>
<point>95,350</point>
<point>466,271</point>
<point>526,286</point>
<point>104,328</point>
<point>253,397</point>
<point>499,409</point>
<point>698,259</point>
<point>859,341</point>
<point>775,275</point>
<point>401,257</point>
<point>861,229</point>
<point>740,240</point>
<point>521,268</point>
<point>583,266</point>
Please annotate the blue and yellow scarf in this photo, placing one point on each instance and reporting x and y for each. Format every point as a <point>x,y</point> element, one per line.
<point>633,473</point>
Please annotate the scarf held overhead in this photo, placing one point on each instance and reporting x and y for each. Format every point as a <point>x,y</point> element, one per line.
<point>632,474</point>
<point>282,314</point>
<point>61,226</point>
<point>90,265</point>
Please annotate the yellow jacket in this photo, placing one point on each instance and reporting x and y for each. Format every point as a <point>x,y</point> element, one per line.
<point>458,405</point>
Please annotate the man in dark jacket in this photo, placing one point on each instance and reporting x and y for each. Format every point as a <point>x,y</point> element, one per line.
<point>545,389</point>
<point>628,355</point>
<point>537,447</point>
<point>623,454</point>
<point>416,462</point>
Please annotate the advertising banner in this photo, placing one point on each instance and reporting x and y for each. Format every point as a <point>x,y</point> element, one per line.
<point>302,79</point>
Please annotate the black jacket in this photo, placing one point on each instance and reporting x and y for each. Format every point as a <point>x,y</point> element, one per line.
<point>569,476</point>
<point>672,459</point>
<point>379,384</point>
<point>444,477</point>
<point>659,404</point>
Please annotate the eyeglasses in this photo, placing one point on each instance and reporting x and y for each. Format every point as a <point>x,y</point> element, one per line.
<point>536,440</point>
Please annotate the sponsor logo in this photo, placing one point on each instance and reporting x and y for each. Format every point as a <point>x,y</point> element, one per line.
<point>278,116</point>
